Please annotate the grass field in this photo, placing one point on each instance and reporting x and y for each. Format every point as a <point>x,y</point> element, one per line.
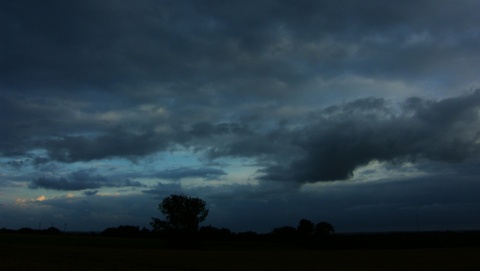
<point>95,253</point>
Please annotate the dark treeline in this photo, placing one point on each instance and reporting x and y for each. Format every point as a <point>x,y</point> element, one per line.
<point>285,237</point>
<point>179,228</point>
<point>48,231</point>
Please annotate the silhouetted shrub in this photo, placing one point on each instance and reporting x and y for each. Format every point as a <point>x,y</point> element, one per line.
<point>305,228</point>
<point>323,228</point>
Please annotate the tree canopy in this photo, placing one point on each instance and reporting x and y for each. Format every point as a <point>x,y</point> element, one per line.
<point>324,228</point>
<point>305,227</point>
<point>181,213</point>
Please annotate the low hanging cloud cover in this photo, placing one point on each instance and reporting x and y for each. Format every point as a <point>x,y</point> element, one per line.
<point>329,145</point>
<point>255,106</point>
<point>111,144</point>
<point>181,173</point>
<point>80,180</point>
<point>342,138</point>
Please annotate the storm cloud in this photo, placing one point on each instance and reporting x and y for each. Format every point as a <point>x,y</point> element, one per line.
<point>80,180</point>
<point>120,144</point>
<point>181,173</point>
<point>352,135</point>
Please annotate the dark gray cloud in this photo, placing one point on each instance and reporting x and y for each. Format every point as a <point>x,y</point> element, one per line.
<point>120,144</point>
<point>444,131</point>
<point>80,180</point>
<point>162,190</point>
<point>202,61</point>
<point>206,129</point>
<point>181,173</point>
<point>90,193</point>
<point>90,45</point>
<point>341,138</point>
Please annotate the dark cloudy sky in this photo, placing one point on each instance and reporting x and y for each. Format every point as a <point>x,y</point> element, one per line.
<point>365,114</point>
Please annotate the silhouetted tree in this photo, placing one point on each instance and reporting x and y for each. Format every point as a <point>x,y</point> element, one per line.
<point>324,229</point>
<point>305,228</point>
<point>182,213</point>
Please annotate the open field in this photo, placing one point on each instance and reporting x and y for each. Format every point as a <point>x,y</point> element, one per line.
<point>93,253</point>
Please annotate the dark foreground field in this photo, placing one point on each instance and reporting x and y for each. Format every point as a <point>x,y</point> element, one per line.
<point>20,252</point>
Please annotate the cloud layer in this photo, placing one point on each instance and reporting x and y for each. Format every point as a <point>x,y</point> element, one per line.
<point>80,180</point>
<point>342,138</point>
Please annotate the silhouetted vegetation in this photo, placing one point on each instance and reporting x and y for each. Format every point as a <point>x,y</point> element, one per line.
<point>183,214</point>
<point>284,234</point>
<point>306,234</point>
<point>215,234</point>
<point>323,229</point>
<point>284,237</point>
<point>48,231</point>
<point>305,228</point>
<point>126,231</point>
